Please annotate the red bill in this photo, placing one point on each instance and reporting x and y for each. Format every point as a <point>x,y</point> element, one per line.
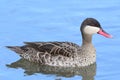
<point>102,32</point>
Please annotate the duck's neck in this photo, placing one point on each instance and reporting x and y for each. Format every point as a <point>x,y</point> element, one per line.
<point>87,39</point>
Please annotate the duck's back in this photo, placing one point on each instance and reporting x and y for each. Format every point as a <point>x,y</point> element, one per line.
<point>48,53</point>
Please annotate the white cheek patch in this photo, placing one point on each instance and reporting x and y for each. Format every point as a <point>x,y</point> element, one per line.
<point>91,29</point>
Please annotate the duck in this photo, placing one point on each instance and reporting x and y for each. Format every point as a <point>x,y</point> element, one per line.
<point>64,54</point>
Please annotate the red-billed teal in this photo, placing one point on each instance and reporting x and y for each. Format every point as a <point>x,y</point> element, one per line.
<point>65,54</point>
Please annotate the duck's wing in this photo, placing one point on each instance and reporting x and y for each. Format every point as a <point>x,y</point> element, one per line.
<point>55,48</point>
<point>42,52</point>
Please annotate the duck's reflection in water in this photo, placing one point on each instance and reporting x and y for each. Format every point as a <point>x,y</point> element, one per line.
<point>30,68</point>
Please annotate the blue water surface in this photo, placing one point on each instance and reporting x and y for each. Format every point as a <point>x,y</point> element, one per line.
<point>53,20</point>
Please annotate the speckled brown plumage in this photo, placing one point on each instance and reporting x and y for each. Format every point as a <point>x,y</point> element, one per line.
<point>45,52</point>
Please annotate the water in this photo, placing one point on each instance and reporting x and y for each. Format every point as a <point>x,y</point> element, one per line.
<point>37,20</point>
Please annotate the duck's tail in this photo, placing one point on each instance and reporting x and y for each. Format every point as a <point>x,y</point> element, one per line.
<point>17,49</point>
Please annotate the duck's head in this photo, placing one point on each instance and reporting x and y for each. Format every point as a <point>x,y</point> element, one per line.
<point>91,26</point>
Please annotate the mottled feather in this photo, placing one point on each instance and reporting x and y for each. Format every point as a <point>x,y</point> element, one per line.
<point>54,48</point>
